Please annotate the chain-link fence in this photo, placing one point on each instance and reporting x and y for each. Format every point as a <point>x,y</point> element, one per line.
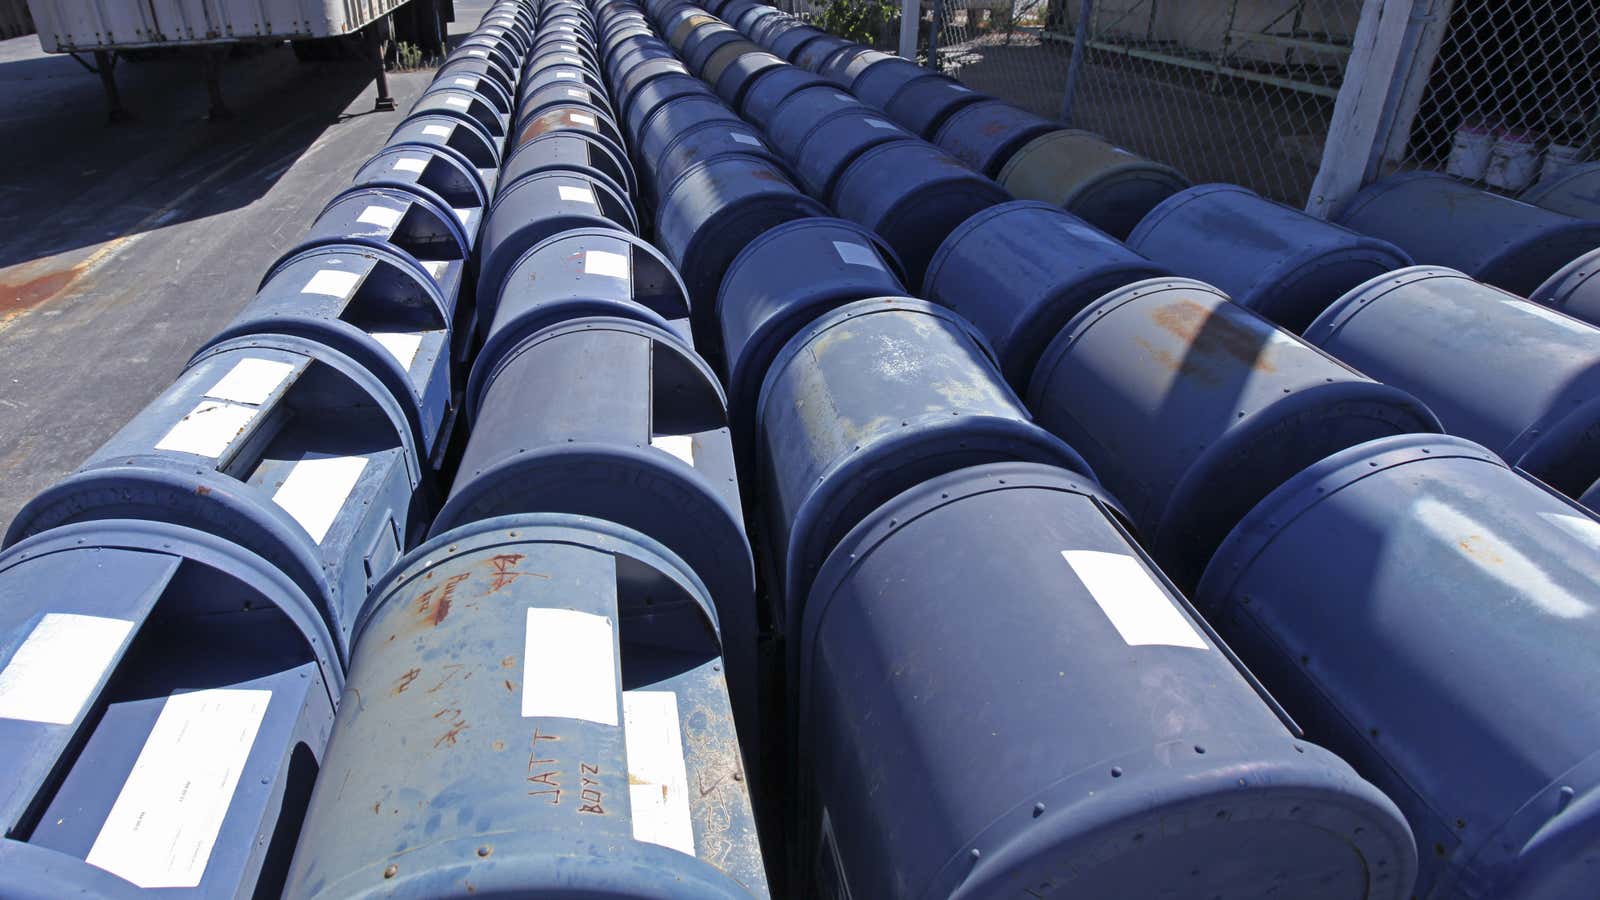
<point>1502,92</point>
<point>1225,90</point>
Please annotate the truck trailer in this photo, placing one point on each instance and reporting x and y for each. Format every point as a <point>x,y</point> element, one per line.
<point>112,30</point>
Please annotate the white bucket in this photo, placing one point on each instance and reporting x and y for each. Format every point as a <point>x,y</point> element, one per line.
<point>1558,158</point>
<point>1513,162</point>
<point>1470,150</point>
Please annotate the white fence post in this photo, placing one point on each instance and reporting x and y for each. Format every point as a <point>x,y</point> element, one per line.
<point>1376,74</point>
<point>1430,37</point>
<point>910,22</point>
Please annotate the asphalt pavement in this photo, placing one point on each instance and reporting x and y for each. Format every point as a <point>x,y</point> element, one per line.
<point>124,247</point>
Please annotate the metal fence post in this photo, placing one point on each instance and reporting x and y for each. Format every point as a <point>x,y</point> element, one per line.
<point>1375,73</point>
<point>1080,42</point>
<point>910,19</point>
<point>933,34</point>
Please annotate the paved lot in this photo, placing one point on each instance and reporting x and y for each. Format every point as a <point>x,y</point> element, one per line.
<point>124,247</point>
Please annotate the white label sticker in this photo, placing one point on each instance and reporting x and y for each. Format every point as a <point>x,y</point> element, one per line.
<point>332,283</point>
<point>58,665</point>
<point>570,76</point>
<point>576,194</point>
<point>251,380</point>
<point>658,782</point>
<point>316,489</point>
<point>569,666</point>
<point>857,255</point>
<point>478,53</point>
<point>402,345</point>
<point>601,262</point>
<point>443,131</point>
<point>381,216</point>
<point>208,429</point>
<point>161,829</point>
<point>582,119</point>
<point>435,267</point>
<point>879,123</point>
<point>467,82</point>
<point>412,164</point>
<point>745,138</point>
<point>574,92</point>
<point>1138,608</point>
<point>572,60</point>
<point>679,445</point>
<point>457,102</point>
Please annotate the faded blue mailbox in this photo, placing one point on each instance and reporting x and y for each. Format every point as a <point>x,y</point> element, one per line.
<point>537,709</point>
<point>165,699</point>
<point>467,139</point>
<point>1513,375</point>
<point>866,401</point>
<point>575,274</point>
<point>999,695</point>
<point>376,306</point>
<point>407,217</point>
<point>985,135</point>
<point>1276,260</point>
<point>1445,222</point>
<point>777,285</point>
<point>535,207</point>
<point>1478,592</point>
<point>711,212</point>
<point>1191,408</point>
<point>574,152</point>
<point>620,420</point>
<point>1021,270</point>
<point>286,447</point>
<point>913,195</point>
<point>448,175</point>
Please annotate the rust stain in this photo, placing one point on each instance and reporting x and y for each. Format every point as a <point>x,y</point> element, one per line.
<point>510,688</point>
<point>449,737</point>
<point>375,807</point>
<point>433,609</point>
<point>202,490</point>
<point>508,662</point>
<point>453,669</point>
<point>1212,333</point>
<point>17,296</point>
<point>504,568</point>
<point>1189,368</point>
<point>458,724</point>
<point>1477,547</point>
<point>497,746</point>
<point>634,779</point>
<point>404,681</point>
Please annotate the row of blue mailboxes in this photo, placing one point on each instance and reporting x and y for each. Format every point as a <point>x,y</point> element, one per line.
<point>991,686</point>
